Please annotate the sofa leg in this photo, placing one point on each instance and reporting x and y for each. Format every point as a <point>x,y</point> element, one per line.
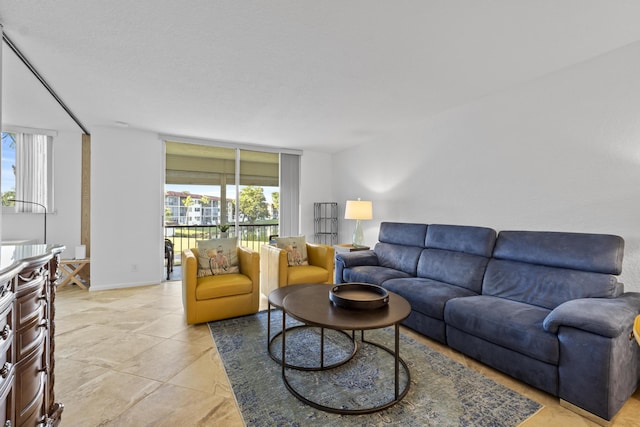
<point>586,414</point>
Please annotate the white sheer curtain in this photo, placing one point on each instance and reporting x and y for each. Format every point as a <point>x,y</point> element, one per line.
<point>289,195</point>
<point>31,171</point>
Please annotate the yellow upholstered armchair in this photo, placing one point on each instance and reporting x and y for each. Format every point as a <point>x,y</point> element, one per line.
<point>222,296</point>
<point>275,271</point>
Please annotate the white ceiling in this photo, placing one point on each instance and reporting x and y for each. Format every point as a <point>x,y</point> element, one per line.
<point>307,74</point>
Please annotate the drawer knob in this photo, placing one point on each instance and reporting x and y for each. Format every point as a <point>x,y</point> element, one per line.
<point>5,332</point>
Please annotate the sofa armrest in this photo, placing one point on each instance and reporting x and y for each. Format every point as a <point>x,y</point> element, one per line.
<point>249,263</point>
<point>353,259</point>
<point>608,317</point>
<point>321,256</point>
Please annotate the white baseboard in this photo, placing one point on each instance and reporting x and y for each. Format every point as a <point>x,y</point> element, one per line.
<point>112,286</point>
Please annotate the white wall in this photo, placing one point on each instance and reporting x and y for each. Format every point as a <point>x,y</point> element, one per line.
<point>561,153</point>
<point>315,186</point>
<point>63,225</point>
<point>126,208</point>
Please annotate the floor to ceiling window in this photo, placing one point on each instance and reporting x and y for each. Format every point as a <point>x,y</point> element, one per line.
<point>213,191</point>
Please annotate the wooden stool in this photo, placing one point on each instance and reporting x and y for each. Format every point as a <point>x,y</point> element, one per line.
<point>70,270</point>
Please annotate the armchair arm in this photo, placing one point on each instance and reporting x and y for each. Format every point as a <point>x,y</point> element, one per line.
<point>249,263</point>
<point>189,280</point>
<point>608,317</point>
<point>273,268</point>
<point>321,256</point>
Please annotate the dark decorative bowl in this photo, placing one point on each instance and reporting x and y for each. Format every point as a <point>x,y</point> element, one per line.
<point>359,296</point>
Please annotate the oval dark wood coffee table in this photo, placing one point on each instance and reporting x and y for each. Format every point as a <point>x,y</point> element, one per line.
<point>276,298</point>
<point>311,306</point>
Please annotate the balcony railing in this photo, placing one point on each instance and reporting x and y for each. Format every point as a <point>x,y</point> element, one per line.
<point>186,236</point>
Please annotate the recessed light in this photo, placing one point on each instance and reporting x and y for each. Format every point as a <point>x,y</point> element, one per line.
<point>122,124</point>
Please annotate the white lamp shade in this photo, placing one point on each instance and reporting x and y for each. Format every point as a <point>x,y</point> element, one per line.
<point>358,209</point>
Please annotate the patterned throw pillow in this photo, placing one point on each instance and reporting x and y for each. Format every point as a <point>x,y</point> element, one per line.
<point>217,256</point>
<point>296,248</point>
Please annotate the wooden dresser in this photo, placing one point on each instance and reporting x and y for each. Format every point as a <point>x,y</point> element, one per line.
<point>27,328</point>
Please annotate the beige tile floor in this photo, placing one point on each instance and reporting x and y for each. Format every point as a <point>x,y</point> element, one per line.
<point>127,358</point>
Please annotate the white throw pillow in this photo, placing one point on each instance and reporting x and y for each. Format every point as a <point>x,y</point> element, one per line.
<point>217,256</point>
<point>296,248</point>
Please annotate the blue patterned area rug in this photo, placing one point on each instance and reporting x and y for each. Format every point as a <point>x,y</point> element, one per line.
<point>442,392</point>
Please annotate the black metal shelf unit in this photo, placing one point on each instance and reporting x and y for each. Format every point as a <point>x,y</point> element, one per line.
<point>325,222</point>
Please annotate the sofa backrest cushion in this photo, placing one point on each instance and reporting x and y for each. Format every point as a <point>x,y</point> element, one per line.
<point>461,238</point>
<point>455,268</point>
<point>549,268</point>
<point>544,286</point>
<point>401,233</point>
<point>398,257</point>
<point>456,254</point>
<point>399,245</point>
<point>600,253</point>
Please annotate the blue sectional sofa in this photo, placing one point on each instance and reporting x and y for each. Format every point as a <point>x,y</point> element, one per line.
<point>544,307</point>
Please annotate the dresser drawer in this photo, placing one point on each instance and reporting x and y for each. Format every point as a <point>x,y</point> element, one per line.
<point>30,385</point>
<point>6,332</point>
<point>6,401</point>
<point>30,305</point>
<point>30,338</point>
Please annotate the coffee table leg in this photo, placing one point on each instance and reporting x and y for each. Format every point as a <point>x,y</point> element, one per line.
<point>397,373</point>
<point>321,348</point>
<point>268,325</point>
<point>284,335</point>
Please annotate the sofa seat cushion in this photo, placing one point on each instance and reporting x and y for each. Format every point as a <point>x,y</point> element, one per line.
<point>426,296</point>
<point>307,274</point>
<point>509,324</point>
<point>226,285</point>
<point>372,274</point>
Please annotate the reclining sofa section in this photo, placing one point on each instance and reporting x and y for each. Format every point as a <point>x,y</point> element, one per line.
<point>543,307</point>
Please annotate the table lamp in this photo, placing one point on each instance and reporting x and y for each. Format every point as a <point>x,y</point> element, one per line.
<point>358,210</point>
